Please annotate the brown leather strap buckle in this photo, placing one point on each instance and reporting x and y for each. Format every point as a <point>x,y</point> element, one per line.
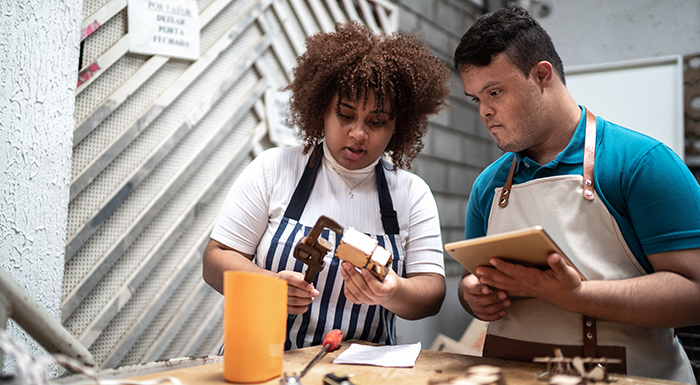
<point>589,157</point>
<point>505,192</point>
<point>590,338</point>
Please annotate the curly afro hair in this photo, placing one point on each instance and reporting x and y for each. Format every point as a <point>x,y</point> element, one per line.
<point>353,60</point>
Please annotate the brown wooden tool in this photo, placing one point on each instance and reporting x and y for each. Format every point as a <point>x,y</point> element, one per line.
<point>312,248</point>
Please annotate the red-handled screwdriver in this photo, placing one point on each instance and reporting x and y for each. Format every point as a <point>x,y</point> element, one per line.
<point>330,342</point>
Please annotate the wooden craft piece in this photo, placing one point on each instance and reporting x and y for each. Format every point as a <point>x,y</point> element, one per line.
<point>363,251</point>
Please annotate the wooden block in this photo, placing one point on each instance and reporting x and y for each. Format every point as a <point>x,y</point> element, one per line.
<point>363,251</point>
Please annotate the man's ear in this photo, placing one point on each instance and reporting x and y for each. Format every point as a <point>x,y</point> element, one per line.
<point>542,73</point>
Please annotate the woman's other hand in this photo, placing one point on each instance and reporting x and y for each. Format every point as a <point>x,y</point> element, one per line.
<point>417,296</point>
<point>300,293</point>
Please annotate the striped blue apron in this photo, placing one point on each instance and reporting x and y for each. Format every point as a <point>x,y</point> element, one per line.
<point>331,310</point>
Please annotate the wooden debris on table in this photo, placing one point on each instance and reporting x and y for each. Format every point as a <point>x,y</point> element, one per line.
<point>565,379</point>
<point>475,375</point>
<point>585,370</point>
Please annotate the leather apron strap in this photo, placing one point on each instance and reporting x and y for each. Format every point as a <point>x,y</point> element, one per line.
<point>589,156</point>
<point>590,343</point>
<point>505,192</point>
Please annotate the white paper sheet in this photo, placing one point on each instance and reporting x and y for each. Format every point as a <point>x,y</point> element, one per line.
<point>398,356</point>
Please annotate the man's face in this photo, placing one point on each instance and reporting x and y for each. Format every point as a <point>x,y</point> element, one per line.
<point>510,105</point>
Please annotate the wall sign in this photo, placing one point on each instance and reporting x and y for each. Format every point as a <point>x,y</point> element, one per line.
<point>276,103</point>
<point>164,27</point>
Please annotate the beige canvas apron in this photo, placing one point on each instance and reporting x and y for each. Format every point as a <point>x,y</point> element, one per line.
<point>567,208</point>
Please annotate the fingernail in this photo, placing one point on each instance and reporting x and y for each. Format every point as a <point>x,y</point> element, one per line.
<point>501,295</point>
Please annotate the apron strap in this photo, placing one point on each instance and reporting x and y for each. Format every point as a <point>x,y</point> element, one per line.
<point>305,185</point>
<point>386,206</point>
<point>505,192</point>
<point>590,340</point>
<point>589,156</point>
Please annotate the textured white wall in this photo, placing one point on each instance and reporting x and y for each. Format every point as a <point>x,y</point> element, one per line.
<point>39,48</point>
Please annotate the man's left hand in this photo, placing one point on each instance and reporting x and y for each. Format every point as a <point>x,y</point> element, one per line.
<point>552,285</point>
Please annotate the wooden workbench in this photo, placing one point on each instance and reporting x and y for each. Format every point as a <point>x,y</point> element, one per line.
<point>430,366</point>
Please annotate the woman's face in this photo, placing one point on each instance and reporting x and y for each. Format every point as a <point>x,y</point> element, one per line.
<point>356,137</point>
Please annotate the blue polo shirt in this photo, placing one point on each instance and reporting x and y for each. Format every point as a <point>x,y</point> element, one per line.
<point>646,187</point>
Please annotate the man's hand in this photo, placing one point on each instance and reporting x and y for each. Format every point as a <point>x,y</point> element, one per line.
<point>480,300</point>
<point>553,285</point>
<point>300,293</point>
<point>364,288</point>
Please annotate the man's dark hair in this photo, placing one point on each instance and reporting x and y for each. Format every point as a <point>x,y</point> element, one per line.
<point>511,30</point>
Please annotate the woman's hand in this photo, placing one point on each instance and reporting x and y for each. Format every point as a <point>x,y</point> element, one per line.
<point>417,296</point>
<point>364,288</point>
<point>300,293</point>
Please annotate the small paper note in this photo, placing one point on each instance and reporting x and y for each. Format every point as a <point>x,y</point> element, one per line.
<point>398,356</point>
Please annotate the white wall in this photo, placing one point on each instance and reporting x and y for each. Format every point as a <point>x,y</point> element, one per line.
<point>619,39</point>
<point>600,31</point>
<point>39,47</point>
<point>644,95</point>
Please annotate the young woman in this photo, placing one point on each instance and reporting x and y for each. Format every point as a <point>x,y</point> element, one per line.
<point>356,96</point>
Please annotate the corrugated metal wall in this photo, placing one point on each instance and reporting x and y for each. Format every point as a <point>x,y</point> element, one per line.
<point>157,143</point>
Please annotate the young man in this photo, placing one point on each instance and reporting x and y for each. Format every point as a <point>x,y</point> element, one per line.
<point>622,206</point>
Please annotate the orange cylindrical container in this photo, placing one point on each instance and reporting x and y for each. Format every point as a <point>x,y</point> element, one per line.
<point>255,324</point>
